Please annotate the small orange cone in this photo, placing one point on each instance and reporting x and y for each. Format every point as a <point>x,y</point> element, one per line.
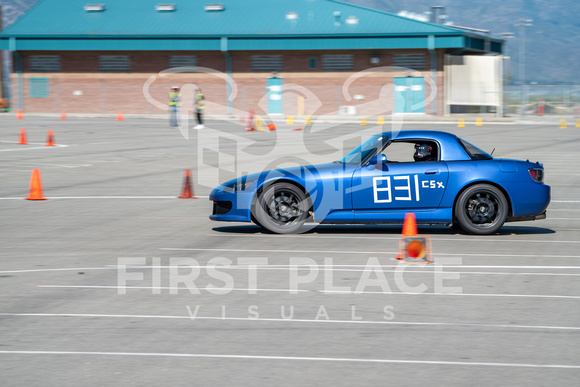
<point>409,230</point>
<point>19,114</point>
<point>410,225</point>
<point>63,115</point>
<point>22,138</point>
<point>35,186</point>
<point>50,138</point>
<point>187,190</point>
<point>271,127</point>
<point>120,116</point>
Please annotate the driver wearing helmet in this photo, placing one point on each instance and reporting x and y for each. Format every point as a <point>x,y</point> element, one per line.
<point>423,152</point>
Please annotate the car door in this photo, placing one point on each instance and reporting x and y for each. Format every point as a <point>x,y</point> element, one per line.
<point>397,187</point>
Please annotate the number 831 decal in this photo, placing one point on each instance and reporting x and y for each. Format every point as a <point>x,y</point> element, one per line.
<point>405,188</point>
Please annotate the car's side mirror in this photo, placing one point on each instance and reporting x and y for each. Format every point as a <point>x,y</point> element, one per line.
<point>378,159</point>
<point>381,160</point>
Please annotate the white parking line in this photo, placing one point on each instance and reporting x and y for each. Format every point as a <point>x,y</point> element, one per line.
<point>409,269</point>
<point>320,291</point>
<point>57,269</point>
<point>292,320</point>
<point>48,165</point>
<point>365,252</point>
<point>293,358</point>
<point>433,238</point>
<point>30,148</point>
<point>349,268</point>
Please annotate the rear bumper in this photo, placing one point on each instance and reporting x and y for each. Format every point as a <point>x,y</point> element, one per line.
<point>527,218</point>
<point>529,200</point>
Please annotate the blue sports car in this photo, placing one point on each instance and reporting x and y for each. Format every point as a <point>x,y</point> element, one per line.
<point>438,176</point>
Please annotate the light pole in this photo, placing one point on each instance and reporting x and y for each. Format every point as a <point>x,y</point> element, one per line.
<point>522,24</point>
<point>506,67</point>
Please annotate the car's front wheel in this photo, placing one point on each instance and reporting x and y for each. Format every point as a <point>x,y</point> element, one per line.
<point>281,208</point>
<point>481,209</point>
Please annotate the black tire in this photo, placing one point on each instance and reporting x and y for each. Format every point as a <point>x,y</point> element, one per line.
<point>281,208</point>
<point>481,209</point>
<point>256,222</point>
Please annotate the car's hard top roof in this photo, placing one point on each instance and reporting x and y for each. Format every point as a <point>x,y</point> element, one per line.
<point>450,149</point>
<point>419,134</point>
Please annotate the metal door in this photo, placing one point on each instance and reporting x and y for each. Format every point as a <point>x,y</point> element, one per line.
<point>274,90</point>
<point>409,94</point>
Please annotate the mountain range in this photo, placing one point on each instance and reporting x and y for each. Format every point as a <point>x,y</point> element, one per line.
<point>551,49</point>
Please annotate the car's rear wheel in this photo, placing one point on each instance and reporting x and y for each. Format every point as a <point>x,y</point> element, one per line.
<point>281,208</point>
<point>481,209</point>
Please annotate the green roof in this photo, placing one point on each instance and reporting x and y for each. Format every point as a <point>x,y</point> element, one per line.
<point>255,24</point>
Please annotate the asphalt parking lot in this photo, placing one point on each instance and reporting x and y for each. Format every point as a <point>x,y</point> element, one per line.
<point>115,281</point>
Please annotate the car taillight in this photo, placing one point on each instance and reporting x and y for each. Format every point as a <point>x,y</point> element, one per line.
<point>537,174</point>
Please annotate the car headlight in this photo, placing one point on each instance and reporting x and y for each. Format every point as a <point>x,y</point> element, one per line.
<point>241,184</point>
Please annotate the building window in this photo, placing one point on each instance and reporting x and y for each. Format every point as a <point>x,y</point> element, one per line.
<point>267,63</point>
<point>183,61</point>
<point>415,62</point>
<point>337,62</point>
<point>45,63</point>
<point>38,87</point>
<point>312,63</point>
<point>114,63</point>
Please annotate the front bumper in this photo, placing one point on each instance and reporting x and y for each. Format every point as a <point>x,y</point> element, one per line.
<point>231,206</point>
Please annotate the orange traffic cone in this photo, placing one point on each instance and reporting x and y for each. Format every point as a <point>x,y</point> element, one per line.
<point>271,127</point>
<point>187,190</point>
<point>120,116</point>
<point>19,114</point>
<point>63,115</point>
<point>22,138</point>
<point>410,225</point>
<point>50,138</point>
<point>409,230</point>
<point>35,186</point>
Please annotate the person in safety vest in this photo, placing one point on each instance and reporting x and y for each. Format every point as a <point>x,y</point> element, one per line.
<point>199,107</point>
<point>174,103</point>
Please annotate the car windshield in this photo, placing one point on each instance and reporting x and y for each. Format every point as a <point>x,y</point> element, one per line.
<point>474,152</point>
<point>365,151</point>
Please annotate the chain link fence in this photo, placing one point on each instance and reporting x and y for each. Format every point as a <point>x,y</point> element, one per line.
<point>542,100</point>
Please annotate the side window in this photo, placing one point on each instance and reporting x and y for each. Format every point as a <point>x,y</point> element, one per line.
<point>403,152</point>
<point>474,152</point>
<point>400,152</point>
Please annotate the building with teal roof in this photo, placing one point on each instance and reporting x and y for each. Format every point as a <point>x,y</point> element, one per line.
<point>291,57</point>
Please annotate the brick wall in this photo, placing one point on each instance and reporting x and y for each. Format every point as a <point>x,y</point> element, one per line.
<point>81,88</point>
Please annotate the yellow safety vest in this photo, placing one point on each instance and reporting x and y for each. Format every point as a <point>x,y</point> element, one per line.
<point>200,101</point>
<point>173,99</point>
